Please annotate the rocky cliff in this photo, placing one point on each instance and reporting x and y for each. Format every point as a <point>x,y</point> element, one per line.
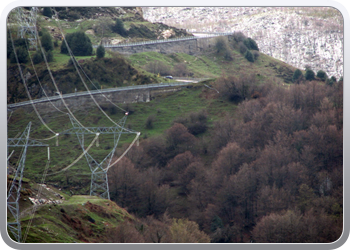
<point>298,36</point>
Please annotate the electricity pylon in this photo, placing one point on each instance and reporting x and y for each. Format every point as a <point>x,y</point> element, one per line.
<point>13,194</point>
<point>99,178</point>
<point>27,24</point>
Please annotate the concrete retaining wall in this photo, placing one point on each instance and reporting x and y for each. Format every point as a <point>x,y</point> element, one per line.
<point>86,101</point>
<point>190,47</point>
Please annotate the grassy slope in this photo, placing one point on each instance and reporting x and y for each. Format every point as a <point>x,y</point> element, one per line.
<point>78,219</point>
<point>164,108</point>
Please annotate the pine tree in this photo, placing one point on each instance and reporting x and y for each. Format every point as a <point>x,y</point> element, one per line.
<point>100,52</point>
<point>119,28</point>
<point>46,41</point>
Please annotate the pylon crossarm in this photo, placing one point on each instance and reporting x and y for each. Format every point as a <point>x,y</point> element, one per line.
<point>21,142</point>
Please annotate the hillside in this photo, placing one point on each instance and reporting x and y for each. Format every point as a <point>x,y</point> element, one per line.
<point>254,153</point>
<point>51,216</point>
<point>298,36</point>
<point>98,25</point>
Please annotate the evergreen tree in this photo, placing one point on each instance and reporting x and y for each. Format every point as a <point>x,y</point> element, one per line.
<point>49,56</point>
<point>251,44</point>
<point>100,51</point>
<point>309,75</point>
<point>322,75</point>
<point>79,43</point>
<point>37,57</point>
<point>46,41</point>
<point>119,28</point>
<point>297,75</point>
<point>22,55</point>
<point>249,56</point>
<point>47,12</point>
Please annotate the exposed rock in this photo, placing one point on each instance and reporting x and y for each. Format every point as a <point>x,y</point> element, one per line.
<point>297,36</point>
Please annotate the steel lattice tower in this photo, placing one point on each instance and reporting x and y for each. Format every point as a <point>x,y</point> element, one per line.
<point>13,194</point>
<point>27,24</point>
<point>99,178</point>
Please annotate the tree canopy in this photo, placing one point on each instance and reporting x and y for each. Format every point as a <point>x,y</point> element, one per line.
<point>79,43</point>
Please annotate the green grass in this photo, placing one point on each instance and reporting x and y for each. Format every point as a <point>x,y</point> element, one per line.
<point>63,223</point>
<point>199,66</point>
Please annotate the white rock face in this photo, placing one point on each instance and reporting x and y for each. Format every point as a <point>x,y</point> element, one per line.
<point>299,36</point>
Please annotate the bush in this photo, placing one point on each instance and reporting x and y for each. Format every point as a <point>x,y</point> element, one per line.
<point>239,37</point>
<point>47,12</point>
<point>46,41</point>
<point>49,56</point>
<point>79,43</point>
<point>22,55</point>
<point>100,52</point>
<point>256,54</point>
<point>249,56</point>
<point>180,69</point>
<point>297,75</point>
<point>37,57</point>
<point>322,75</point>
<point>331,81</point>
<point>119,28</point>
<point>309,75</point>
<point>195,122</point>
<point>149,122</point>
<point>242,48</point>
<point>220,44</point>
<point>251,44</point>
<point>20,42</point>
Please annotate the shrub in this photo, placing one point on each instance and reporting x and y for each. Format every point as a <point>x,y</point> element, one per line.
<point>149,122</point>
<point>251,44</point>
<point>46,41</point>
<point>180,69</point>
<point>119,28</point>
<point>297,75</point>
<point>322,75</point>
<point>49,56</point>
<point>79,43</point>
<point>20,42</point>
<point>242,48</point>
<point>47,12</point>
<point>195,122</point>
<point>256,54</point>
<point>331,81</point>
<point>22,55</point>
<point>249,56</point>
<point>239,36</point>
<point>220,44</point>
<point>309,75</point>
<point>37,57</point>
<point>100,51</point>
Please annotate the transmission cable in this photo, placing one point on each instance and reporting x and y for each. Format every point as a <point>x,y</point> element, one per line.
<point>85,151</point>
<point>75,65</point>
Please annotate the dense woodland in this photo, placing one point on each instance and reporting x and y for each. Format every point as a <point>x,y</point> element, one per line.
<point>273,174</point>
